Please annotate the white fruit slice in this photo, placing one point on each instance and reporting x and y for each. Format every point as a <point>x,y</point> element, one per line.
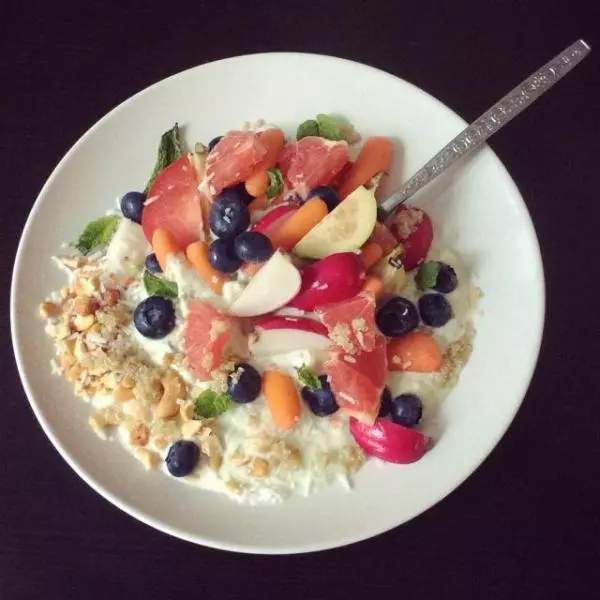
<point>272,287</point>
<point>345,229</point>
<point>277,335</point>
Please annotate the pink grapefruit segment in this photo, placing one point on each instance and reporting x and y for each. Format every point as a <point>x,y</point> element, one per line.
<point>211,339</point>
<point>175,204</point>
<point>351,323</point>
<point>311,162</point>
<point>357,380</point>
<point>233,159</point>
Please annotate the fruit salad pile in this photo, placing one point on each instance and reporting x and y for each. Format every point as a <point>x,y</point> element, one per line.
<point>258,247</point>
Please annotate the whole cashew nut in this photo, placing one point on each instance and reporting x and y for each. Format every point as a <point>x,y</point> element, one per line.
<point>174,389</point>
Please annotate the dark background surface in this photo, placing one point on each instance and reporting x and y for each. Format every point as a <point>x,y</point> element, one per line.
<point>526,524</point>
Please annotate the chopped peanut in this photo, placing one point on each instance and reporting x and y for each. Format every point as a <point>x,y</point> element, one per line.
<point>48,310</point>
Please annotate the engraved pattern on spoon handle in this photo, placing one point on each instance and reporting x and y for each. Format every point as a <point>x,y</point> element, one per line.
<point>515,102</point>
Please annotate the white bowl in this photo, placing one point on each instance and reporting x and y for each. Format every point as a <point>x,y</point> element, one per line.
<point>476,208</point>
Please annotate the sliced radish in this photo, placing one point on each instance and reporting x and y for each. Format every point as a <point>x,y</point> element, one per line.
<point>272,287</point>
<point>285,334</point>
<point>390,442</point>
<point>333,279</point>
<point>274,217</point>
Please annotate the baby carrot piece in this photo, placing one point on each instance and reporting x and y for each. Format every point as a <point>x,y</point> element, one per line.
<point>272,139</point>
<point>257,184</point>
<point>374,285</point>
<point>282,398</point>
<point>416,351</point>
<point>163,245</point>
<point>370,254</point>
<point>291,231</point>
<point>374,157</point>
<point>197,254</point>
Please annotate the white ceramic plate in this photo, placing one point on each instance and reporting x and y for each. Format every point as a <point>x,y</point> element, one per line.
<point>476,208</point>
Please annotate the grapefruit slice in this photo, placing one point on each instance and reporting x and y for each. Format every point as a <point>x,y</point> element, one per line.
<point>351,323</point>
<point>211,339</point>
<point>312,161</point>
<point>344,229</point>
<point>175,204</point>
<point>357,380</point>
<point>233,159</point>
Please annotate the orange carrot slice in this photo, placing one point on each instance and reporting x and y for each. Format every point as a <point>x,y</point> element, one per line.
<point>374,157</point>
<point>416,351</point>
<point>370,254</point>
<point>257,184</point>
<point>282,398</point>
<point>163,245</point>
<point>374,285</point>
<point>292,230</point>
<point>197,254</point>
<point>272,139</point>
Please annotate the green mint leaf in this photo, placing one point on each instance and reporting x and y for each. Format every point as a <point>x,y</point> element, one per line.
<point>275,186</point>
<point>427,275</point>
<point>329,128</point>
<point>211,404</point>
<point>97,234</point>
<point>169,150</point>
<point>308,378</point>
<point>310,127</point>
<point>156,286</point>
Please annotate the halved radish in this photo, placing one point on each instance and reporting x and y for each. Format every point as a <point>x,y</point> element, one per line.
<point>274,218</point>
<point>333,279</point>
<point>284,334</point>
<point>390,442</point>
<point>272,287</point>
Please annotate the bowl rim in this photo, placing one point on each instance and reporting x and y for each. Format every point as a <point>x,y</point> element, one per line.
<point>536,333</point>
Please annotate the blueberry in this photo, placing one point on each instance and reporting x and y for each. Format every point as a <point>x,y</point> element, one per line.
<point>221,255</point>
<point>327,194</point>
<point>397,317</point>
<point>447,280</point>
<point>435,310</point>
<point>182,458</point>
<point>321,401</point>
<point>154,317</point>
<point>244,383</point>
<point>151,264</point>
<point>132,206</point>
<point>242,193</point>
<point>386,403</point>
<point>214,142</point>
<point>229,215</point>
<point>406,410</point>
<point>253,247</point>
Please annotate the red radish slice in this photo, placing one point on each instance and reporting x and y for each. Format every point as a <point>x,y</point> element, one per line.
<point>390,442</point>
<point>286,322</point>
<point>333,279</point>
<point>274,218</point>
<point>271,288</point>
<point>414,230</point>
<point>285,334</point>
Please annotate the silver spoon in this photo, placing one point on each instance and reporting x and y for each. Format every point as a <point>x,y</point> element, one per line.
<point>471,138</point>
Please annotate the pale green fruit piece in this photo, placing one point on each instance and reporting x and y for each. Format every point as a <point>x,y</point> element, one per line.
<point>345,229</point>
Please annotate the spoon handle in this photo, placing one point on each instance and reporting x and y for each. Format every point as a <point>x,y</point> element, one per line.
<point>469,139</point>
